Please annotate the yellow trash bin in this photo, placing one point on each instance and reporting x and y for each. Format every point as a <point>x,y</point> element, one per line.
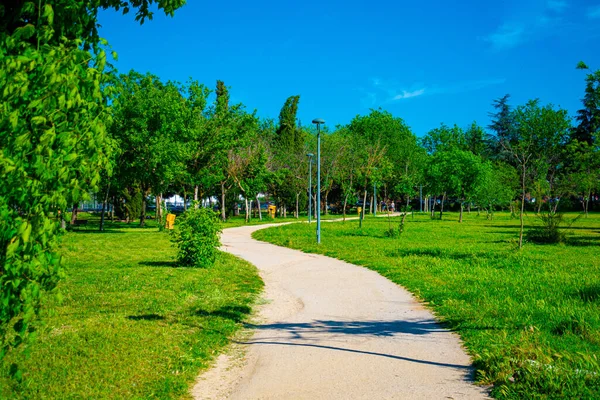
<point>170,221</point>
<point>272,211</point>
<point>359,209</point>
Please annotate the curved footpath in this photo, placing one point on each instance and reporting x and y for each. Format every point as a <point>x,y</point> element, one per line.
<point>333,330</point>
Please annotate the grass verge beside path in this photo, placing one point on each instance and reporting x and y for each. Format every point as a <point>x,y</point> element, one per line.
<point>233,222</point>
<point>529,318</point>
<point>132,325</point>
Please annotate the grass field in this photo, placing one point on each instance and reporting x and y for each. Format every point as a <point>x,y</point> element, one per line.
<point>239,220</point>
<point>529,318</point>
<point>132,325</point>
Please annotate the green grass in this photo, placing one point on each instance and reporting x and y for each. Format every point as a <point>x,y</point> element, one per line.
<point>529,318</point>
<point>240,221</point>
<point>132,324</point>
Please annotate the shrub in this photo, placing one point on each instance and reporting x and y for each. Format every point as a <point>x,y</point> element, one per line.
<point>551,229</point>
<point>196,236</point>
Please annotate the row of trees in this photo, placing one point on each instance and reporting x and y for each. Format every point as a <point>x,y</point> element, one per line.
<point>169,138</point>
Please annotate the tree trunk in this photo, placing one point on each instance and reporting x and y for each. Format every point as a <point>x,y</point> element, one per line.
<point>223,215</point>
<point>196,189</point>
<point>184,200</point>
<point>297,213</point>
<point>587,204</point>
<point>74,213</point>
<point>143,214</point>
<point>259,210</point>
<point>362,215</point>
<point>442,205</point>
<point>104,205</point>
<point>159,209</point>
<point>345,204</point>
<point>522,206</point>
<point>326,195</point>
<point>112,211</point>
<point>460,218</point>
<point>247,211</point>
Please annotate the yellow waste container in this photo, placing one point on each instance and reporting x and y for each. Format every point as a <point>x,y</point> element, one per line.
<point>272,211</point>
<point>170,221</point>
<point>359,209</point>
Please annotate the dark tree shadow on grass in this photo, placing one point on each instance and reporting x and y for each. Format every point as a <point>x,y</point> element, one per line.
<point>441,253</point>
<point>93,230</point>
<point>146,317</point>
<point>170,264</point>
<point>589,294</point>
<point>233,313</point>
<point>583,241</point>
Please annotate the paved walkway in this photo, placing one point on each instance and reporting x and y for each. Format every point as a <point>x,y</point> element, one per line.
<point>333,330</point>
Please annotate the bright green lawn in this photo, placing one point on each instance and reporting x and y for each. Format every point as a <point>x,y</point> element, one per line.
<point>530,318</point>
<point>239,220</point>
<point>132,325</point>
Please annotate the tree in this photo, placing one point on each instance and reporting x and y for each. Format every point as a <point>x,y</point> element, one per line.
<point>589,116</point>
<point>372,135</point>
<point>502,126</point>
<point>289,156</point>
<point>150,128</point>
<point>498,187</point>
<point>583,171</point>
<point>54,144</point>
<point>537,132</point>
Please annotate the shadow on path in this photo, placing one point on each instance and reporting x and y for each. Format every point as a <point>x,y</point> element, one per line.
<point>370,328</point>
<point>466,368</point>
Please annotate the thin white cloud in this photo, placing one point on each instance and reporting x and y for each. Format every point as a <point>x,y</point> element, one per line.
<point>407,95</point>
<point>506,37</point>
<point>557,5</point>
<point>593,12</point>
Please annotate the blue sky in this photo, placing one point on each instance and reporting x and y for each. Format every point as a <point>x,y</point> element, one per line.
<point>427,62</point>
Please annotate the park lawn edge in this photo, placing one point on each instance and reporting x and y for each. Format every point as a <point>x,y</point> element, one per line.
<point>136,326</point>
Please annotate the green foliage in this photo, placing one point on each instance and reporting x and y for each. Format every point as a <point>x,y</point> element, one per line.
<point>589,116</point>
<point>53,116</point>
<point>53,135</point>
<point>197,237</point>
<point>133,203</point>
<point>551,228</point>
<point>289,137</point>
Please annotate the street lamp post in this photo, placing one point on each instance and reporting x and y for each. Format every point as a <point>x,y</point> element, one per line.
<point>318,122</point>
<point>374,199</point>
<point>310,161</point>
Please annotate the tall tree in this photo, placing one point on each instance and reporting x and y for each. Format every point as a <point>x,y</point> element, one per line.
<point>289,137</point>
<point>589,116</point>
<point>502,126</point>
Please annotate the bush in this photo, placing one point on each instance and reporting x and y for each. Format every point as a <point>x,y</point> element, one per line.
<point>551,229</point>
<point>197,237</point>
